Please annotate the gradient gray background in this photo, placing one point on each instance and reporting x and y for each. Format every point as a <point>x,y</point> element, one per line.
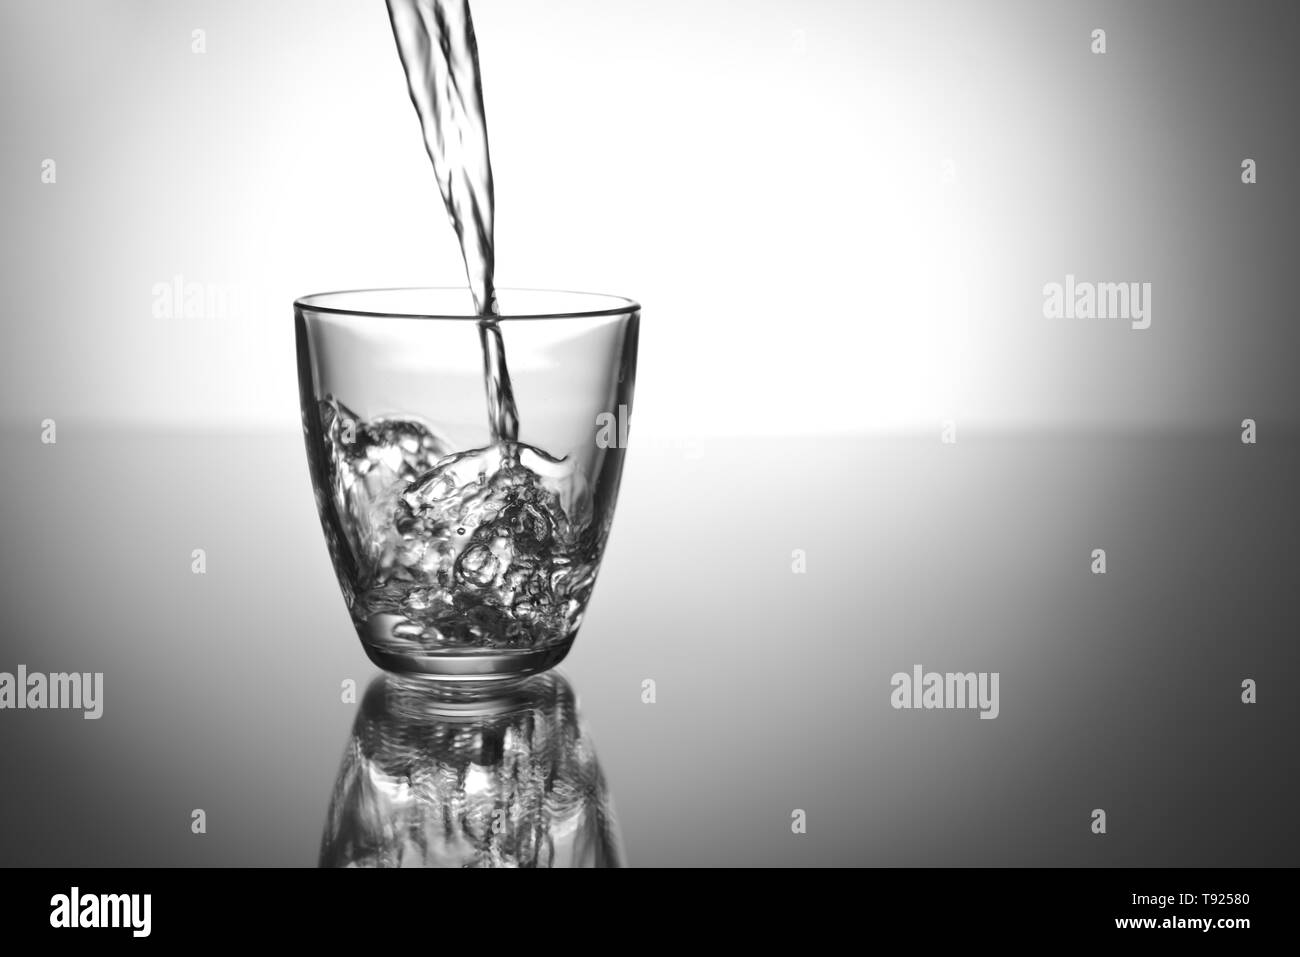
<point>799,350</point>
<point>766,177</point>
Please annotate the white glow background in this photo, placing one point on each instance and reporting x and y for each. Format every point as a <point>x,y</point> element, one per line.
<point>767,179</point>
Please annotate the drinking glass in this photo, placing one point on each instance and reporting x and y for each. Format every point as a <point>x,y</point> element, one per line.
<point>465,554</point>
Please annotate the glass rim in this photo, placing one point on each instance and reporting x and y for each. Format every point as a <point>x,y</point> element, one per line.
<point>321,302</point>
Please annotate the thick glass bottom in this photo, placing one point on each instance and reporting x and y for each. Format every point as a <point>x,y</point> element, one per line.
<point>459,664</point>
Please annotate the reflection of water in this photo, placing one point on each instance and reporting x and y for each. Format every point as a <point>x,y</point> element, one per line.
<point>509,780</point>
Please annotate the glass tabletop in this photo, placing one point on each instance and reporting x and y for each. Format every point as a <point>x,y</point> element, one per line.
<point>743,681</point>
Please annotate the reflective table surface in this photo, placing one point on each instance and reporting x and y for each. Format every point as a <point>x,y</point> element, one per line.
<point>730,697</point>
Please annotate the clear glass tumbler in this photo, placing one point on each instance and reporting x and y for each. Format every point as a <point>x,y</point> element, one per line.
<point>464,554</point>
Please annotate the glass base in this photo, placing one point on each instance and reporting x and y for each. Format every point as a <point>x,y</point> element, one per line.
<point>470,665</point>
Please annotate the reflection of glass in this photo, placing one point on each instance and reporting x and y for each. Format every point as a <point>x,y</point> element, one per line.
<point>435,781</point>
<point>463,552</point>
